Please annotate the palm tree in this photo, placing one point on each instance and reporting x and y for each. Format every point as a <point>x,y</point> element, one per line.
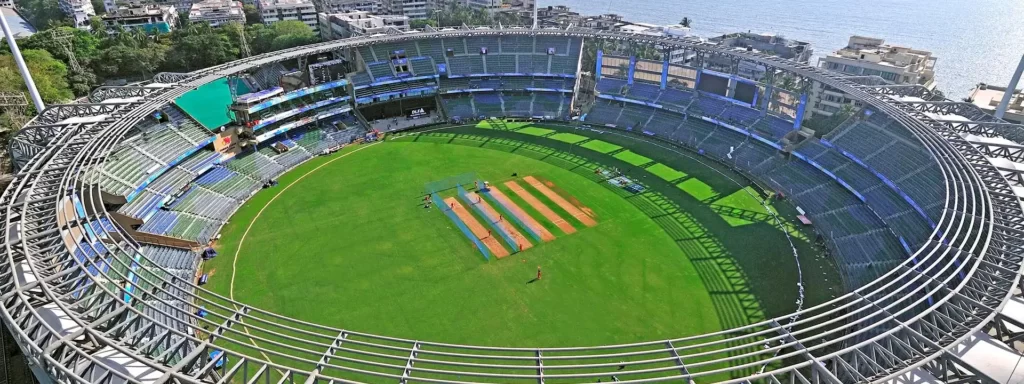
<point>685,22</point>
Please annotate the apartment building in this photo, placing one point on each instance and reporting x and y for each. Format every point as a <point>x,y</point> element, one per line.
<point>217,12</point>
<point>867,56</point>
<point>272,11</point>
<point>358,23</point>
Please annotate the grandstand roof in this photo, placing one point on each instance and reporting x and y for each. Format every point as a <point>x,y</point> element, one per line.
<point>209,103</point>
<point>921,318</point>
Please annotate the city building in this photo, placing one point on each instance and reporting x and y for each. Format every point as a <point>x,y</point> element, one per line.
<point>551,16</point>
<point>217,12</point>
<point>79,11</point>
<point>7,4</point>
<point>765,43</point>
<point>358,23</point>
<point>342,6</point>
<point>150,18</point>
<point>494,6</point>
<point>988,97</point>
<point>272,11</point>
<point>414,9</point>
<point>866,56</point>
<point>19,26</point>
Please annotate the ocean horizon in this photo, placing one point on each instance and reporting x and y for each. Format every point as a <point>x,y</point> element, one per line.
<point>977,41</point>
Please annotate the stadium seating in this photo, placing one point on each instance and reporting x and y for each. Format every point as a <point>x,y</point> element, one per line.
<point>644,91</point>
<point>269,75</point>
<point>361,78</point>
<point>423,66</point>
<point>255,165</point>
<point>551,105</point>
<point>488,104</point>
<point>181,225</point>
<point>295,156</point>
<point>200,161</point>
<point>500,64</point>
<point>772,126</point>
<point>380,70</point>
<point>150,151</point>
<point>228,183</point>
<point>465,65</point>
<point>516,44</point>
<point>203,202</point>
<point>433,49</point>
<point>174,259</point>
<point>611,86</point>
<point>460,106</point>
<point>144,203</point>
<point>517,104</point>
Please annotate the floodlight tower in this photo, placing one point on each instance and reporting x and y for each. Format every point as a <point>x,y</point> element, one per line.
<point>1010,88</point>
<point>535,14</point>
<point>20,61</point>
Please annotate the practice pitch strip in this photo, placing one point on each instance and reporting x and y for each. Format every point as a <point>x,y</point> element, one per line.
<point>499,225</point>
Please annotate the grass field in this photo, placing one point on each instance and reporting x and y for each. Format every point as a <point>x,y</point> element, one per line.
<point>351,246</point>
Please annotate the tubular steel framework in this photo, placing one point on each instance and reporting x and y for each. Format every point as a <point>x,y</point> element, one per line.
<point>123,325</point>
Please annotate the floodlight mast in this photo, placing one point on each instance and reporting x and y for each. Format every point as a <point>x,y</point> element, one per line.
<point>20,61</point>
<point>535,14</point>
<point>1010,89</point>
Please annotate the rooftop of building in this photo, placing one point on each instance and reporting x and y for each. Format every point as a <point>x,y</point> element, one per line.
<point>19,26</point>
<point>135,10</point>
<point>232,6</point>
<point>770,38</point>
<point>875,50</point>
<point>366,19</point>
<point>278,3</point>
<point>988,97</point>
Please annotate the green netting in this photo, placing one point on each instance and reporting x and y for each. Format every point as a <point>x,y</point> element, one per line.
<point>209,103</point>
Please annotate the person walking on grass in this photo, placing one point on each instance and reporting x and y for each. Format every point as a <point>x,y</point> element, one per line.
<point>538,273</point>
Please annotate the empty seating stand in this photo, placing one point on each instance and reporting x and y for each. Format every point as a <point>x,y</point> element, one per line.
<point>255,165</point>
<point>181,225</point>
<point>203,202</point>
<point>228,183</point>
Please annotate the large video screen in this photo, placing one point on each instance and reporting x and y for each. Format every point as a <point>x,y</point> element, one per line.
<point>745,92</point>
<point>713,84</point>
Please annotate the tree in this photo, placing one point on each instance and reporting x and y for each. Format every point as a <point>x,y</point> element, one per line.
<point>43,14</point>
<point>199,46</point>
<point>252,15</point>
<point>99,6</point>
<point>48,73</point>
<point>130,61</point>
<point>422,23</point>
<point>685,22</point>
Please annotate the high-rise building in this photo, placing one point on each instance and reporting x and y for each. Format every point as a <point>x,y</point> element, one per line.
<point>272,11</point>
<point>79,11</point>
<point>150,18</point>
<point>501,5</point>
<point>866,56</point>
<point>217,12</point>
<point>764,43</point>
<point>987,97</point>
<point>414,9</point>
<point>359,23</point>
<point>343,6</point>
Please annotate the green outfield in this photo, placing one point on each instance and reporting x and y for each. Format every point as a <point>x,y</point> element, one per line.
<point>351,245</point>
